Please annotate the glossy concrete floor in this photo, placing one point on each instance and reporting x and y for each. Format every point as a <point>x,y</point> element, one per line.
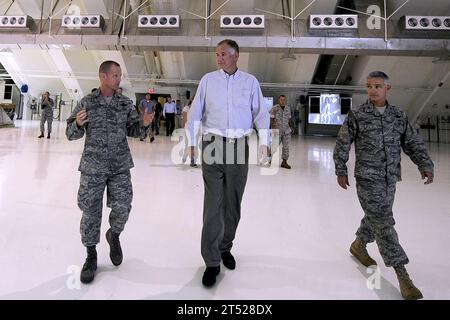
<point>292,242</point>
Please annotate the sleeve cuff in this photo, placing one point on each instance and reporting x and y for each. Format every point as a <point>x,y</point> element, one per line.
<point>341,172</point>
<point>263,135</point>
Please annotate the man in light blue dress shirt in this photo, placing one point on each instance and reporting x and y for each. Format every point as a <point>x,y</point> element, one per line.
<point>227,104</point>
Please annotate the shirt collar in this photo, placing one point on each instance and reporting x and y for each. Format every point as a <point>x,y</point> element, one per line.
<point>97,94</point>
<point>370,107</point>
<point>235,75</point>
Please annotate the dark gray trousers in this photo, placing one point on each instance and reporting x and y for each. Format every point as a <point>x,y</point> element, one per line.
<point>377,198</point>
<point>224,187</point>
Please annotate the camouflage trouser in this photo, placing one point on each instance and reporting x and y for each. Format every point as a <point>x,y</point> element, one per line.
<point>90,201</point>
<point>376,198</point>
<point>285,141</point>
<point>46,116</point>
<point>148,132</point>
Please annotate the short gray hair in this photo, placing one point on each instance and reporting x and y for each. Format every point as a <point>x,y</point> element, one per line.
<point>231,43</point>
<point>380,74</point>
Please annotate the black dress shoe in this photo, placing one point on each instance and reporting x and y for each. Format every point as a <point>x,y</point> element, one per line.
<point>152,139</point>
<point>228,260</point>
<point>209,277</point>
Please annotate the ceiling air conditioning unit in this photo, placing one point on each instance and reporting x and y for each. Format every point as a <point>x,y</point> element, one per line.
<point>159,21</point>
<point>333,21</point>
<point>82,21</point>
<point>15,22</point>
<point>249,21</point>
<point>427,23</point>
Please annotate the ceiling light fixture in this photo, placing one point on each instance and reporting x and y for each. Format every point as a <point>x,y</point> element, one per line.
<point>6,52</point>
<point>288,56</point>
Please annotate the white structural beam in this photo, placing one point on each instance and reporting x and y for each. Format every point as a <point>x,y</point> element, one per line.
<point>62,67</point>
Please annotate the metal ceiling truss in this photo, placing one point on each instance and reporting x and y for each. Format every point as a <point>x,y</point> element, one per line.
<point>385,18</point>
<point>207,16</point>
<point>291,17</point>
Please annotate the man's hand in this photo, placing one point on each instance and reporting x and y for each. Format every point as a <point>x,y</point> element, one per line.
<point>428,175</point>
<point>273,123</point>
<point>148,118</point>
<point>264,152</point>
<point>343,182</point>
<point>82,117</point>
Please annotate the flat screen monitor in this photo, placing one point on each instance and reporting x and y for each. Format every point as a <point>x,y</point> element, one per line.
<point>326,109</point>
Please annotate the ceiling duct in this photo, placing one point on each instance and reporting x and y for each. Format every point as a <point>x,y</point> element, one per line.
<point>15,22</point>
<point>87,21</point>
<point>436,23</point>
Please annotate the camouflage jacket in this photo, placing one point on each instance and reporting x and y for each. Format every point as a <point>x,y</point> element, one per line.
<point>379,139</point>
<point>281,118</point>
<point>106,148</point>
<point>47,107</point>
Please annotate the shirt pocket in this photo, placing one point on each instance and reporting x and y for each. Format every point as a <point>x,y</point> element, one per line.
<point>241,97</point>
<point>398,126</point>
<point>122,117</point>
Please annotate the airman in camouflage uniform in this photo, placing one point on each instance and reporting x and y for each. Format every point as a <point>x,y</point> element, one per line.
<point>47,105</point>
<point>380,131</point>
<point>107,118</point>
<point>280,116</point>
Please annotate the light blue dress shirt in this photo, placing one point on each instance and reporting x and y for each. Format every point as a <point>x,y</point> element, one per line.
<point>169,108</point>
<point>228,105</point>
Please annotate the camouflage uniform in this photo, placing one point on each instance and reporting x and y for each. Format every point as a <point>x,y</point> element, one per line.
<point>47,115</point>
<point>379,139</point>
<point>106,161</point>
<point>282,118</point>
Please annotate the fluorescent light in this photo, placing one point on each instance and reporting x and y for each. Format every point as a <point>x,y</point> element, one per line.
<point>6,52</point>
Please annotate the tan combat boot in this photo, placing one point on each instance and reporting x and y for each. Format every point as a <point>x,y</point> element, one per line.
<point>407,287</point>
<point>359,251</point>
